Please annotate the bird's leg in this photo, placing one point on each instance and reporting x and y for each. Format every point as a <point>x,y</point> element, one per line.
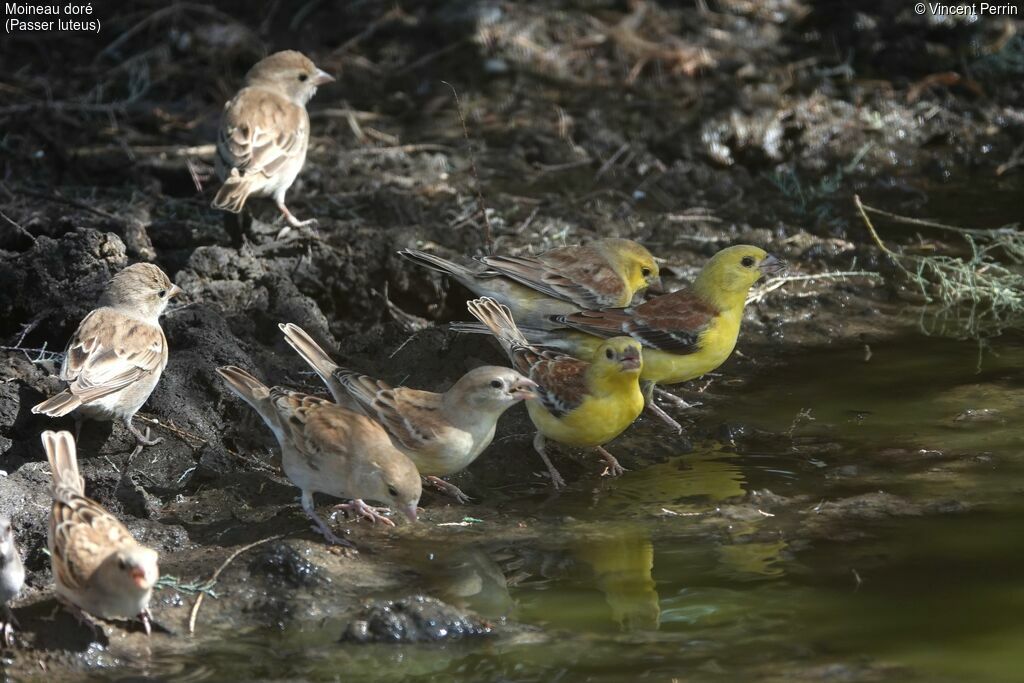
<point>140,438</point>
<point>321,526</point>
<point>680,403</point>
<point>145,617</point>
<point>556,478</point>
<point>78,427</point>
<point>614,469</point>
<point>82,617</point>
<point>448,488</point>
<point>358,507</point>
<point>292,220</point>
<point>654,408</point>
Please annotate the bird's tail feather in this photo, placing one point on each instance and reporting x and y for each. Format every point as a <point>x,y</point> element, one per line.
<point>436,263</point>
<point>248,388</point>
<point>59,405</point>
<point>60,451</point>
<point>330,372</point>
<point>232,194</point>
<point>498,319</point>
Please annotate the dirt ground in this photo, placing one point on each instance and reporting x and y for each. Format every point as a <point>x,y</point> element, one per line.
<point>460,127</point>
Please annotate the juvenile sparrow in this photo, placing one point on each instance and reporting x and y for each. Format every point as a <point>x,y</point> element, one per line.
<point>12,578</point>
<point>115,358</point>
<point>582,404</point>
<point>604,273</point>
<point>264,132</point>
<point>98,567</point>
<point>326,448</point>
<point>441,433</point>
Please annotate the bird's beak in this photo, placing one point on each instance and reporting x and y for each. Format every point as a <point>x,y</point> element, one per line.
<point>409,511</point>
<point>630,360</point>
<point>139,578</point>
<point>771,265</point>
<point>322,77</point>
<point>524,389</point>
<point>175,291</point>
<point>657,287</point>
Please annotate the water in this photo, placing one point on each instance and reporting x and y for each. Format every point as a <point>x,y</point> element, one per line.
<point>667,574</point>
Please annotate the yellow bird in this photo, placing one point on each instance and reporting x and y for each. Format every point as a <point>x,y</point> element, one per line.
<point>684,334</point>
<point>581,404</point>
<point>606,273</point>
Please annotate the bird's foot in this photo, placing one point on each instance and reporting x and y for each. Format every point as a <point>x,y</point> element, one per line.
<point>142,439</point>
<point>145,617</point>
<point>613,469</point>
<point>448,489</point>
<point>672,398</point>
<point>539,444</point>
<point>654,408</point>
<point>322,528</point>
<point>361,509</point>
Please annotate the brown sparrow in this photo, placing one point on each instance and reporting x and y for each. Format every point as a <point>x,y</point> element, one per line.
<point>98,567</point>
<point>326,448</point>
<point>116,356</point>
<point>264,132</point>
<point>441,433</point>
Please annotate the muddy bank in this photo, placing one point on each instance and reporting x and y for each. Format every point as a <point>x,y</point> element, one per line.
<point>683,129</point>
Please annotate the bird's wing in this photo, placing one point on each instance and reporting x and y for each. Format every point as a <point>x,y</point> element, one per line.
<point>562,382</point>
<point>307,424</point>
<point>83,534</point>
<point>671,323</point>
<point>109,351</point>
<point>362,388</point>
<point>261,132</point>
<point>579,275</point>
<point>411,417</point>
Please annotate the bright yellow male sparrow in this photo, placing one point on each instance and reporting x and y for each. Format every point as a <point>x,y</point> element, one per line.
<point>98,567</point>
<point>441,433</point>
<point>326,448</point>
<point>264,132</point>
<point>116,356</point>
<point>604,273</point>
<point>581,404</point>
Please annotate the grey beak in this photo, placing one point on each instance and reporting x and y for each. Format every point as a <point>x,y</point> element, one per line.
<point>771,265</point>
<point>322,78</point>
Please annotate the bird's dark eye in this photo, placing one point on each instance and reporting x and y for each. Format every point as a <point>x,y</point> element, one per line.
<point>609,354</point>
<point>303,77</point>
<point>646,272</point>
<point>496,383</point>
<point>162,293</point>
<point>748,261</point>
<point>393,492</point>
<point>121,563</point>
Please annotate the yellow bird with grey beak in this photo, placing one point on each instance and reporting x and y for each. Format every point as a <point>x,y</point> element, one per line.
<point>264,132</point>
<point>685,334</point>
<point>116,356</point>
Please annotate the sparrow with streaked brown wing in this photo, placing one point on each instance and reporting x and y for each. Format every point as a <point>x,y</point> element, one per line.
<point>98,567</point>
<point>326,448</point>
<point>116,356</point>
<point>441,433</point>
<point>605,273</point>
<point>264,132</point>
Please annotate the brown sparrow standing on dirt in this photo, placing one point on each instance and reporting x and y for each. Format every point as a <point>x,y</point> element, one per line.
<point>441,433</point>
<point>115,358</point>
<point>264,132</point>
<point>326,448</point>
<point>98,567</point>
<point>12,578</point>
